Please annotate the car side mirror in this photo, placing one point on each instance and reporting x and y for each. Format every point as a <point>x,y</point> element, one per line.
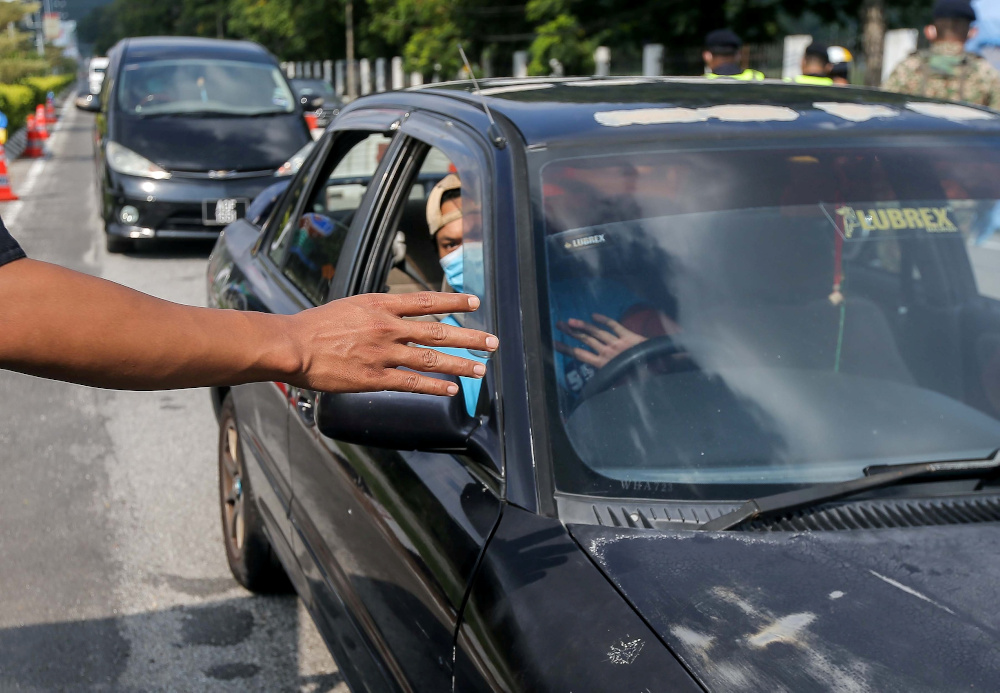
<point>311,103</point>
<point>89,102</point>
<point>397,420</point>
<point>262,205</point>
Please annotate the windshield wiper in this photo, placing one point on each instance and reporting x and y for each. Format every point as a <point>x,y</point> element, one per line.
<point>878,476</point>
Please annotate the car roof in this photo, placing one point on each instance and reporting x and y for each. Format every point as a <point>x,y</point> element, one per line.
<point>166,47</point>
<point>548,111</point>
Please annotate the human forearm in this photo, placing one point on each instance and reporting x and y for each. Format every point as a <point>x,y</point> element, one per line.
<point>61,324</point>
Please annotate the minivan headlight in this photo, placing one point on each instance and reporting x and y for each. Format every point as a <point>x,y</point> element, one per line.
<point>124,160</point>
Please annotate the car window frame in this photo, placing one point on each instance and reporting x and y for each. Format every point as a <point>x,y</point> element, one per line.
<point>370,120</point>
<point>421,132</point>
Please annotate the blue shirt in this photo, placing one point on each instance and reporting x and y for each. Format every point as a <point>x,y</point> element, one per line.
<point>470,386</point>
<point>580,299</point>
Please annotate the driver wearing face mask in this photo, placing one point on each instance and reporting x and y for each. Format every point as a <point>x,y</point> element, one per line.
<point>446,224</point>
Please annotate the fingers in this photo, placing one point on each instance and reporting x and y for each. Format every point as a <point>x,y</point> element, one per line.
<point>436,334</point>
<point>592,330</point>
<point>593,342</point>
<point>590,358</point>
<point>433,361</point>
<point>426,303</point>
<point>408,381</point>
<point>616,326</point>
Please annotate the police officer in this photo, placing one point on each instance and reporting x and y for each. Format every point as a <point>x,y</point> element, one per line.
<point>816,65</point>
<point>946,70</point>
<point>722,48</point>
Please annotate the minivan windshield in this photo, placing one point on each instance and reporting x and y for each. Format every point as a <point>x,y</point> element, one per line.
<point>719,321</point>
<point>203,87</point>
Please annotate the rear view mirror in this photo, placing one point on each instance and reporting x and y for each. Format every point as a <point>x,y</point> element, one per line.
<point>262,205</point>
<point>88,102</point>
<point>397,420</point>
<point>311,103</point>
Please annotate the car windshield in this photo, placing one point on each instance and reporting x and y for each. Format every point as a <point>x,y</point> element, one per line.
<point>721,321</point>
<point>198,86</point>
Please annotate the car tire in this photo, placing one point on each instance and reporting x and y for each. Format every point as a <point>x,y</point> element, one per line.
<point>116,244</point>
<point>248,550</point>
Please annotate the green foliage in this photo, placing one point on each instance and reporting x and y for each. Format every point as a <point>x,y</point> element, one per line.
<point>17,102</point>
<point>562,39</point>
<point>427,32</point>
<point>17,69</point>
<point>41,86</point>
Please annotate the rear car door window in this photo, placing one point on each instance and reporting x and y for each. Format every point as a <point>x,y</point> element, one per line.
<point>312,236</point>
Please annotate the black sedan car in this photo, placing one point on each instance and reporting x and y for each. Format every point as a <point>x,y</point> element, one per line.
<point>188,132</point>
<point>742,430</point>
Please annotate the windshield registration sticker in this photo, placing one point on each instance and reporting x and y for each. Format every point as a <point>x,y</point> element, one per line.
<point>857,222</point>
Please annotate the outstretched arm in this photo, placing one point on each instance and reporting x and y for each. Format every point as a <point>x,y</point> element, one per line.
<point>62,324</point>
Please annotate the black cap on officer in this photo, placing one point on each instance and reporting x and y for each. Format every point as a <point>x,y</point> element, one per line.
<point>818,50</point>
<point>954,9</point>
<point>723,41</point>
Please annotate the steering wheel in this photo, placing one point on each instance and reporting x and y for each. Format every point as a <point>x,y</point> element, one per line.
<point>634,358</point>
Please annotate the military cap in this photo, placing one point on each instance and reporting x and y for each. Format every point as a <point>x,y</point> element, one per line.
<point>723,38</point>
<point>818,50</point>
<point>954,9</point>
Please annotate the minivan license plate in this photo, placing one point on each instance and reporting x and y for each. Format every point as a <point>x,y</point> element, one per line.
<point>224,211</point>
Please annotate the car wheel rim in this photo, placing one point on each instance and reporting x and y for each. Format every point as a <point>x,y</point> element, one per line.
<point>231,486</point>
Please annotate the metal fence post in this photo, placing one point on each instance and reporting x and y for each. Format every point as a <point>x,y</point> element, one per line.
<point>338,71</point>
<point>520,63</point>
<point>602,61</point>
<point>379,74</point>
<point>791,60</point>
<point>416,79</point>
<point>652,60</point>
<point>398,77</point>
<point>308,70</point>
<point>328,70</point>
<point>365,72</point>
<point>897,44</point>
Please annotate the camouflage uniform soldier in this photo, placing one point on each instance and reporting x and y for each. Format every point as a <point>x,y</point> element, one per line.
<point>946,71</point>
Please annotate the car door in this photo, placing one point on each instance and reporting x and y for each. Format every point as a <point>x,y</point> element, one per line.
<point>397,533</point>
<point>256,282</point>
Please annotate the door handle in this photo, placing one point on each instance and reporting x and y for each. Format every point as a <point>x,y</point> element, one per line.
<point>303,401</point>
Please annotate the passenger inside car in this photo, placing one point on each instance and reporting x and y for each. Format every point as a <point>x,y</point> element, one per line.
<point>428,251</point>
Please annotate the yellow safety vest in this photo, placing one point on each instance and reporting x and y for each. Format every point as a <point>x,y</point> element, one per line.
<point>809,79</point>
<point>747,75</point>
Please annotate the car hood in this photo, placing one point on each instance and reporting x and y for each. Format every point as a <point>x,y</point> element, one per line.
<point>179,143</point>
<point>884,610</point>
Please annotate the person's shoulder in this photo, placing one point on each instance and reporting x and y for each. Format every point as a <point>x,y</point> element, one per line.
<point>911,63</point>
<point>982,65</point>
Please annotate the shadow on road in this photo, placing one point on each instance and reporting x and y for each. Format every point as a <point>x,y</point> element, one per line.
<point>183,648</point>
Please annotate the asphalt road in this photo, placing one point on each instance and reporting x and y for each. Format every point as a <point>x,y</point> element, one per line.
<point>112,570</point>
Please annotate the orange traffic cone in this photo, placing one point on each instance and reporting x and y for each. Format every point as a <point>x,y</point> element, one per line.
<point>6,193</point>
<point>312,120</point>
<point>35,148</point>
<point>40,123</point>
<point>50,108</point>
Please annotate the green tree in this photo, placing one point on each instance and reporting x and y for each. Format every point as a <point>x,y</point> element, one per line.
<point>559,36</point>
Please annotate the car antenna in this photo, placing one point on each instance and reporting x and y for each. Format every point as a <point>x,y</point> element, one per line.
<point>498,140</point>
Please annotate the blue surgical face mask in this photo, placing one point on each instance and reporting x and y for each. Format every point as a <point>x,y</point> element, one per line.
<point>453,266</point>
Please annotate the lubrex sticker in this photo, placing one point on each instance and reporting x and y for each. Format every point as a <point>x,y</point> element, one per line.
<point>862,221</point>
